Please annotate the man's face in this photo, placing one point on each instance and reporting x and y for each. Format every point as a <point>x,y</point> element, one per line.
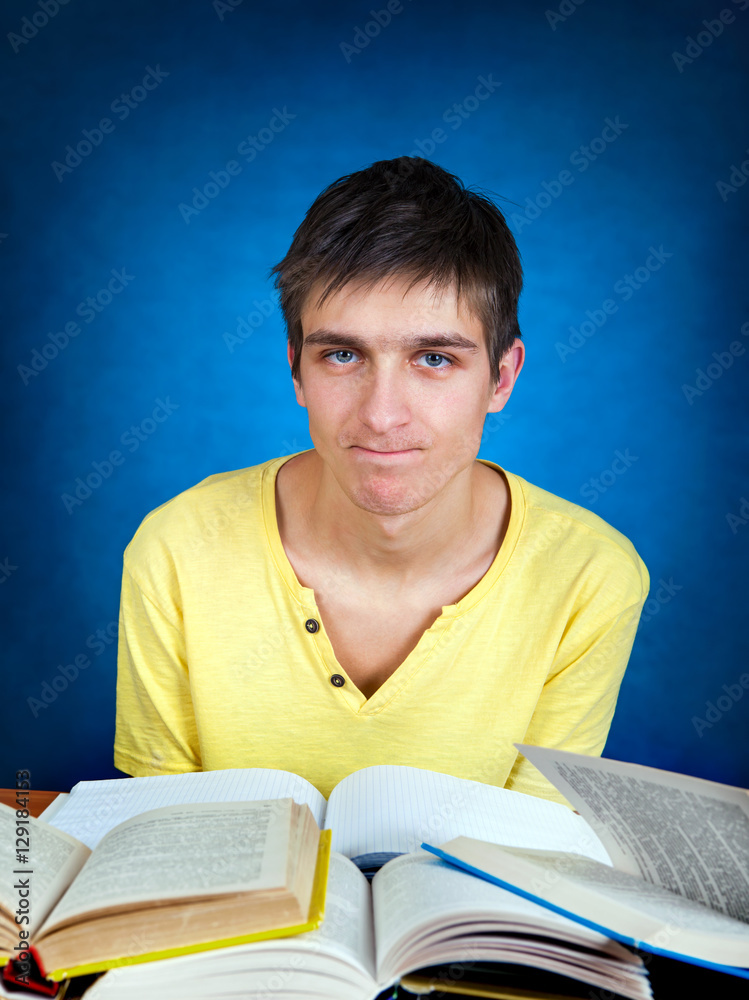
<point>397,386</point>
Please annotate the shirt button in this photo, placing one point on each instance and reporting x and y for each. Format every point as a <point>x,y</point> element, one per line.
<point>311,625</point>
<point>337,681</point>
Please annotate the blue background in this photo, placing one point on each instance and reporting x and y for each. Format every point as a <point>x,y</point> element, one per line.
<point>225,72</point>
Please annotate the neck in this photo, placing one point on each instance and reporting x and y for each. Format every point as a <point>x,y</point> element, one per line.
<point>462,518</point>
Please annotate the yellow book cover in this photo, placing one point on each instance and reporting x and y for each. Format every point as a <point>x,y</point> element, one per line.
<point>315,918</point>
<point>169,881</point>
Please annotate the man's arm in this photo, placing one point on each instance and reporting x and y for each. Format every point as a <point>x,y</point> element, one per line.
<point>578,700</point>
<point>156,731</point>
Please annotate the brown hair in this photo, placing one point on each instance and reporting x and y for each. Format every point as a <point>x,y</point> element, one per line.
<point>406,218</point>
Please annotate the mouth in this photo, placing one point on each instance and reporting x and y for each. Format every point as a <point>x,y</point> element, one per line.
<point>384,454</point>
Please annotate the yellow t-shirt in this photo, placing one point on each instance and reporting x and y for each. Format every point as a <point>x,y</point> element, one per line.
<point>224,660</point>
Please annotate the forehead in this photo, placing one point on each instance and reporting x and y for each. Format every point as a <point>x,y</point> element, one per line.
<point>390,309</point>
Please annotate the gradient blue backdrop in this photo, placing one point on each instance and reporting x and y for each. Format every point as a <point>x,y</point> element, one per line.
<point>224,71</point>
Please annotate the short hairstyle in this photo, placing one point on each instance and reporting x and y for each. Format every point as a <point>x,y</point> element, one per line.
<point>405,218</point>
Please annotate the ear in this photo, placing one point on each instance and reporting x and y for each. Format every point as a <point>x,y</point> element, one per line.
<point>298,391</point>
<point>509,369</point>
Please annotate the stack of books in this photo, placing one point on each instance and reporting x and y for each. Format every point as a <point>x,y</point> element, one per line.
<point>248,883</point>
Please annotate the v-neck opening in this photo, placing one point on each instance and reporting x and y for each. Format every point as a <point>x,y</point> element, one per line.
<point>428,640</point>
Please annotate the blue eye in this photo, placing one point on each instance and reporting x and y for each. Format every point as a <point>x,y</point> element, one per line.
<point>342,357</point>
<point>434,360</point>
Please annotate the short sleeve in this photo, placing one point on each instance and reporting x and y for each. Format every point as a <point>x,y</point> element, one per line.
<point>156,731</point>
<point>578,699</point>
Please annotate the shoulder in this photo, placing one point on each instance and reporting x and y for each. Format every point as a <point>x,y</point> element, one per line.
<point>214,511</point>
<point>578,545</point>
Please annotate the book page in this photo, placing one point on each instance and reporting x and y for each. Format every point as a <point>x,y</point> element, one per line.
<point>282,966</point>
<point>54,806</point>
<point>686,834</point>
<point>616,900</point>
<point>95,807</point>
<point>347,928</point>
<point>412,891</point>
<point>393,809</point>
<point>51,861</point>
<point>183,851</point>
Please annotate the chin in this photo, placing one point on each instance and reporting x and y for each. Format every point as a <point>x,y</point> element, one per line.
<point>388,499</point>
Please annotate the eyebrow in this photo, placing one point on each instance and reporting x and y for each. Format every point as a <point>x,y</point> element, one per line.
<point>416,342</point>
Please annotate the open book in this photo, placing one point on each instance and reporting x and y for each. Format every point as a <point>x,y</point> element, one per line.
<point>169,881</point>
<point>680,846</point>
<point>417,913</point>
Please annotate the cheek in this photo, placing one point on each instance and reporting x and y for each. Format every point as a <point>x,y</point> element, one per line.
<point>453,411</point>
<point>460,424</point>
<point>329,405</point>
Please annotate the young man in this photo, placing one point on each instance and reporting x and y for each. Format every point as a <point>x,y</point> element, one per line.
<point>384,597</point>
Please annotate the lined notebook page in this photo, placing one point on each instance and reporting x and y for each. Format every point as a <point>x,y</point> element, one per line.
<point>95,807</point>
<point>392,808</point>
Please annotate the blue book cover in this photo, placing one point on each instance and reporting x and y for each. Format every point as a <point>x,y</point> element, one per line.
<point>517,867</point>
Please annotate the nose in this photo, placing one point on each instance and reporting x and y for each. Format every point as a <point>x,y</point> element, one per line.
<point>384,403</point>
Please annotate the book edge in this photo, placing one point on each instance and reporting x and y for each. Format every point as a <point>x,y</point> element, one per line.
<point>733,970</point>
<point>314,919</point>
